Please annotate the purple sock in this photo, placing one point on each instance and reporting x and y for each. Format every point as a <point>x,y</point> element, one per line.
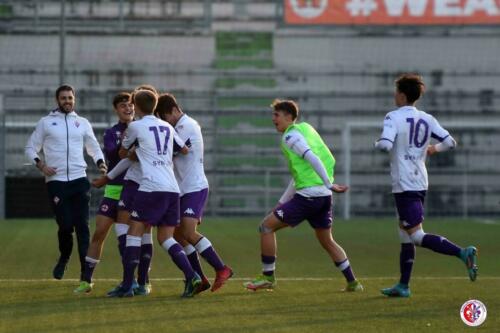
<point>440,244</point>
<point>206,250</point>
<point>144,264</point>
<point>88,270</point>
<point>406,259</point>
<point>122,240</point>
<point>180,259</point>
<point>268,265</point>
<point>194,260</point>
<point>130,260</point>
<point>345,268</point>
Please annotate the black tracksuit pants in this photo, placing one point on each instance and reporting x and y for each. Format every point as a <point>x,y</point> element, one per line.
<point>70,202</point>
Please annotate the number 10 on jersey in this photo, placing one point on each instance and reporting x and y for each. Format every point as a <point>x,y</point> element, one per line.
<point>415,130</point>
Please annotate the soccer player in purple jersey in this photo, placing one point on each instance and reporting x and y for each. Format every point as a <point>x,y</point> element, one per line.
<point>406,135</point>
<point>193,185</point>
<point>308,196</point>
<point>156,202</point>
<point>108,207</point>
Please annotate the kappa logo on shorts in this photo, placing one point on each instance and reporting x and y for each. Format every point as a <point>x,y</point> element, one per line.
<point>56,200</point>
<point>104,208</point>
<point>121,203</point>
<point>134,214</point>
<point>280,213</point>
<point>189,211</point>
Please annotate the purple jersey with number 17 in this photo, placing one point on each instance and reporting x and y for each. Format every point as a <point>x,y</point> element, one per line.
<point>410,130</point>
<point>155,139</point>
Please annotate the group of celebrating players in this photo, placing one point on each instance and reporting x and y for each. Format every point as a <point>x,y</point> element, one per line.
<point>156,179</point>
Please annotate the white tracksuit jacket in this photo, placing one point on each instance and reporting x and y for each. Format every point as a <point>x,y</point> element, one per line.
<point>61,138</point>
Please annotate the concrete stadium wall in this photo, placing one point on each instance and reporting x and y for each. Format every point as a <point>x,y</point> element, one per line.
<point>133,59</point>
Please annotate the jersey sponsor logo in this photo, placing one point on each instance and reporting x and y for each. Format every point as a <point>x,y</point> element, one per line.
<point>473,312</point>
<point>56,200</point>
<point>280,213</point>
<point>104,208</point>
<point>121,203</point>
<point>189,211</point>
<point>134,214</point>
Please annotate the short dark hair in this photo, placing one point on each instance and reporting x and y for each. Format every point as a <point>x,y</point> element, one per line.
<point>145,100</point>
<point>64,87</point>
<point>147,87</point>
<point>121,97</point>
<point>166,104</point>
<point>287,106</point>
<point>411,85</point>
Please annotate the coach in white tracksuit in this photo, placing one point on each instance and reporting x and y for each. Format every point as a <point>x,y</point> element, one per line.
<point>61,137</point>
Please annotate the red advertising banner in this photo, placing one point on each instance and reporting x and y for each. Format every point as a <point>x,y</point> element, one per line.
<point>392,12</point>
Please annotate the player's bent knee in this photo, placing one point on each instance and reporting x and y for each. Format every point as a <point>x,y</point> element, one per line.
<point>264,229</point>
<point>417,237</point>
<point>404,237</point>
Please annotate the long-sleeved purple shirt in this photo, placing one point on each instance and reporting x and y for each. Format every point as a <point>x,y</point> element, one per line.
<point>112,143</point>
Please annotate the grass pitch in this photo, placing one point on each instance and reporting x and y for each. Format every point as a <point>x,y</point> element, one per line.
<point>307,297</point>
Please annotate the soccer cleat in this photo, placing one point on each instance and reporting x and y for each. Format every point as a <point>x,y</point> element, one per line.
<point>398,290</point>
<point>191,286</point>
<point>84,288</point>
<point>261,282</point>
<point>115,289</point>
<point>142,290</point>
<point>353,286</point>
<point>121,292</point>
<point>59,269</point>
<point>204,285</point>
<point>469,257</point>
<point>221,277</point>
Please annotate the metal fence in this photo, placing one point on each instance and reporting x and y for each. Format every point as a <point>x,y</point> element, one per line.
<point>247,173</point>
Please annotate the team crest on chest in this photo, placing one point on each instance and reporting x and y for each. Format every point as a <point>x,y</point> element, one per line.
<point>77,124</point>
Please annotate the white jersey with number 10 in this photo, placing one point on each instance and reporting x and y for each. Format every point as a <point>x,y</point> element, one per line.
<point>410,131</point>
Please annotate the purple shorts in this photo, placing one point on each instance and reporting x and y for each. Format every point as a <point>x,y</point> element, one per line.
<point>109,208</point>
<point>317,211</point>
<point>193,203</point>
<point>127,197</point>
<point>410,205</point>
<point>156,208</point>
